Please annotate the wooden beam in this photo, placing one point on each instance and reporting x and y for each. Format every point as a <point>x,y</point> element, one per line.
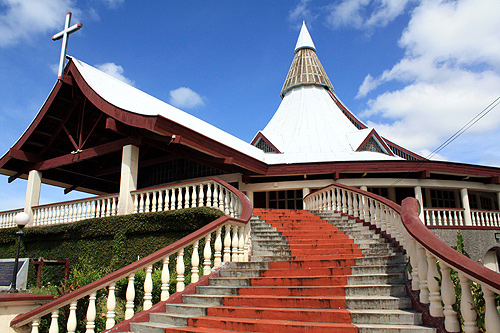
<point>22,155</point>
<point>87,153</point>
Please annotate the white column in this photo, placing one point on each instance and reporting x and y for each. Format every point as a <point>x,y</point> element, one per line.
<point>128,179</point>
<point>419,197</point>
<point>305,191</point>
<point>32,193</point>
<point>250,196</point>
<point>465,202</point>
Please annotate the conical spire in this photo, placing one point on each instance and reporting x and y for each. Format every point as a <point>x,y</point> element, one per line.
<point>306,69</point>
<point>305,41</point>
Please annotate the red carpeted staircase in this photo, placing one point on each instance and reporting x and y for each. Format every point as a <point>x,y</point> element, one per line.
<point>299,280</point>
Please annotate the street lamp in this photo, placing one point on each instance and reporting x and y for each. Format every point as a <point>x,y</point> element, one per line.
<point>21,220</point>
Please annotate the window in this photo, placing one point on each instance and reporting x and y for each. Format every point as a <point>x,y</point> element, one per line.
<point>263,145</point>
<point>443,199</point>
<point>289,199</point>
<point>372,145</point>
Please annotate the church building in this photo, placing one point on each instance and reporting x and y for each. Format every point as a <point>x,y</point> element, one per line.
<point>98,135</point>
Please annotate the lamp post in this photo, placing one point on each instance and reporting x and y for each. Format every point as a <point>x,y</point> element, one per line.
<point>21,220</point>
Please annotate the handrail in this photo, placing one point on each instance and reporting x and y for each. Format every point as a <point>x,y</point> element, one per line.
<point>240,249</point>
<point>424,249</point>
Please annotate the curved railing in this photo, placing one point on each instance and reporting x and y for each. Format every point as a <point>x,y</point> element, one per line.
<point>425,250</point>
<point>234,246</point>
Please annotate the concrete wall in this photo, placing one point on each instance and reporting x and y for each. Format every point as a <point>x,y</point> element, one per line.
<point>476,242</point>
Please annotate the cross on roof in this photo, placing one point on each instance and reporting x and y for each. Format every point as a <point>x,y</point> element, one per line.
<point>64,34</point>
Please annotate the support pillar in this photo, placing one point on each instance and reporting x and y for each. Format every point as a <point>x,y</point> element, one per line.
<point>250,196</point>
<point>392,193</point>
<point>32,193</point>
<point>305,191</point>
<point>420,198</point>
<point>128,179</point>
<point>466,206</point>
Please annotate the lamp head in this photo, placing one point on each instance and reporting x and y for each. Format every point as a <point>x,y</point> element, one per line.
<point>21,219</point>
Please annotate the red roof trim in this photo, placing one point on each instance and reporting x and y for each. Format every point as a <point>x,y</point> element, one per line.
<point>374,133</point>
<point>383,166</point>
<point>261,136</point>
<point>163,125</point>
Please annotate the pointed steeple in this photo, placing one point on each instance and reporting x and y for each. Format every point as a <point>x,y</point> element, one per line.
<point>306,69</point>
<point>305,41</point>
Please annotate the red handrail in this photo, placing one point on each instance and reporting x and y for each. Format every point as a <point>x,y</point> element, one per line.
<point>246,213</point>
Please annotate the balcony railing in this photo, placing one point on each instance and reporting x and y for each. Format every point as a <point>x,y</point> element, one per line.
<point>485,218</point>
<point>207,192</point>
<point>425,250</point>
<point>444,217</point>
<point>231,242</point>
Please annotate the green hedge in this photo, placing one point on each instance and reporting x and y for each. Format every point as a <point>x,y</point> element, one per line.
<point>105,244</point>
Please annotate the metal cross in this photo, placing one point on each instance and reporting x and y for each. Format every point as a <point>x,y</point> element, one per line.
<point>64,35</point>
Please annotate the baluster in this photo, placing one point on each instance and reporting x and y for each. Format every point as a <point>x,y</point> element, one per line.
<point>473,217</point>
<point>91,312</point>
<point>218,248</point>
<point>451,323</point>
<point>172,199</point>
<point>227,244</point>
<point>148,288</point>
<point>226,202</point>
<point>194,196</point>
<point>167,199</point>
<point>159,201</point>
<point>141,203</point>
<point>234,245</point>
<point>333,199</point>
<point>427,221</point>
<point>147,203</point>
<point>439,217</point>
<point>435,308</point>
<point>467,306</point>
<point>241,244</point>
<point>481,214</point>
<point>57,215</point>
<point>422,274</point>
<point>209,195</point>
<point>415,283</point>
<point>71,325</point>
<point>114,202</point>
<point>246,248</point>
<point>328,200</point>
<point>350,209</point>
<point>103,207</point>
<point>216,196</point>
<point>154,204</point>
<point>491,318</point>
<point>179,198</point>
<point>165,280</point>
<point>54,324</point>
<point>207,256</point>
<point>93,207</point>
<point>130,296</point>
<point>195,263</point>
<point>111,305</point>
<point>355,204</point>
<point>79,214</point>
<point>460,217</point>
<point>85,210</point>
<point>344,201</point>
<point>187,197</point>
<point>35,324</point>
<point>180,270</point>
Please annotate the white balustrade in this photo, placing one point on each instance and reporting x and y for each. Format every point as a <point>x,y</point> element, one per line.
<point>7,218</point>
<point>425,271</point>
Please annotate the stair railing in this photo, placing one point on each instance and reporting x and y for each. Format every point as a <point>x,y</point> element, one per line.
<point>230,236</point>
<point>431,259</point>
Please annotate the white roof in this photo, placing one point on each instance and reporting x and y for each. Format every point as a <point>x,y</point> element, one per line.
<point>312,128</point>
<point>304,40</point>
<point>134,100</point>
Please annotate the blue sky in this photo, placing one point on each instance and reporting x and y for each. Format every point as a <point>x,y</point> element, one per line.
<point>417,71</point>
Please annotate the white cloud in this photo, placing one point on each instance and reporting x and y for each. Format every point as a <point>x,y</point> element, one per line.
<point>113,3</point>
<point>450,72</point>
<point>301,13</point>
<point>115,71</point>
<point>185,98</point>
<point>365,13</point>
<point>21,19</point>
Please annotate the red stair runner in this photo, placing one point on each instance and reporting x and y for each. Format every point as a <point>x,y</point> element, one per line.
<point>305,294</point>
